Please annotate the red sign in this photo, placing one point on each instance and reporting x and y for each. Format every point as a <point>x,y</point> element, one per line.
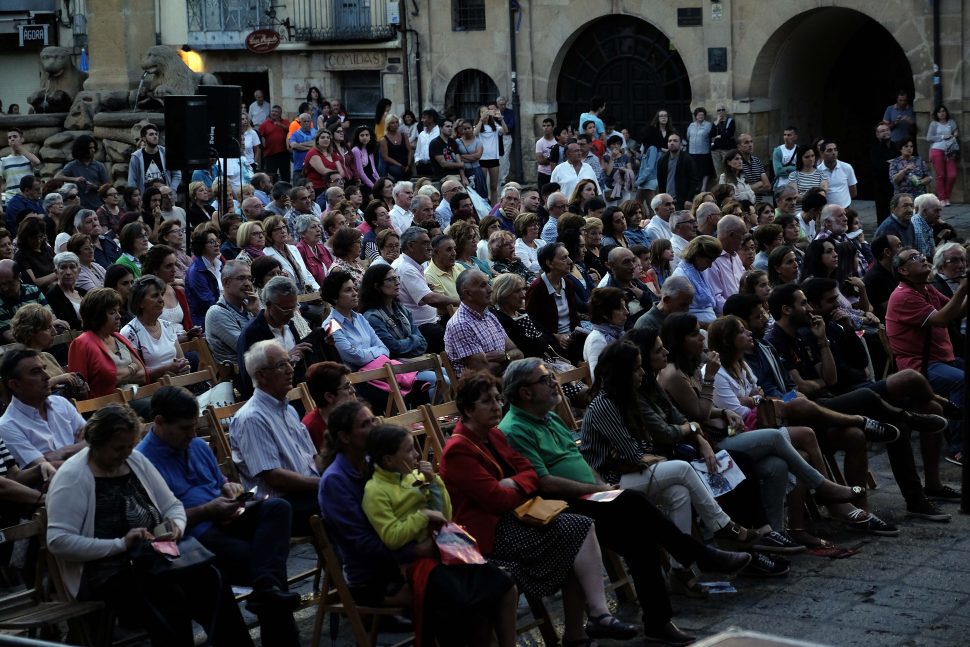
<point>262,41</point>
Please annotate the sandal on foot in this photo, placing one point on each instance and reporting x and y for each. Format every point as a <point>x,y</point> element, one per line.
<point>808,540</point>
<point>609,626</point>
<point>855,492</point>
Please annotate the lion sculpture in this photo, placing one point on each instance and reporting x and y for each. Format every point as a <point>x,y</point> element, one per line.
<point>60,81</point>
<point>166,74</point>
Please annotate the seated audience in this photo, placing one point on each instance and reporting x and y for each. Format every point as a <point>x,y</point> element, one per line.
<point>244,537</point>
<point>950,266</point>
<point>474,338</point>
<point>103,504</point>
<point>90,274</point>
<point>329,387</point>
<point>64,297</point>
<point>204,278</point>
<point>675,296</point>
<point>134,243</point>
<point>391,322</point>
<point>251,239</point>
<point>415,295</point>
<point>120,279</point>
<point>270,445</point>
<point>442,270</point>
<point>161,261</point>
<point>312,251</point>
<point>35,256</point>
<point>608,314</point>
<point>154,338</point>
<point>527,241</point>
<point>698,257</point>
<point>237,306</point>
<point>172,234</point>
<point>501,248</point>
<point>487,480</point>
<point>355,340</point>
<point>551,300</point>
<point>346,246</point>
<point>278,246</point>
<point>623,275</point>
<point>33,329</point>
<point>101,355</point>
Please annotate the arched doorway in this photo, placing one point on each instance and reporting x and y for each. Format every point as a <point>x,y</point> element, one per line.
<point>831,73</point>
<point>468,90</point>
<point>629,63</point>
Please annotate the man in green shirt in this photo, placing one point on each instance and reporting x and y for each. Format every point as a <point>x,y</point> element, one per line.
<point>629,524</point>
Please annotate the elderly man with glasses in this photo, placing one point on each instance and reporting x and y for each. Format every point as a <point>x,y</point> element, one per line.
<point>274,322</point>
<point>235,309</point>
<point>556,206</point>
<point>269,444</point>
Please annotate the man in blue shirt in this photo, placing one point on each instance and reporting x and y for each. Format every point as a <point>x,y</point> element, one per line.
<point>245,537</point>
<point>24,203</point>
<point>300,142</point>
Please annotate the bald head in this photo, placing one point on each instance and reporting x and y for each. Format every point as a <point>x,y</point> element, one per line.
<point>621,262</point>
<point>8,269</point>
<point>730,233</point>
<point>252,207</point>
<point>449,185</point>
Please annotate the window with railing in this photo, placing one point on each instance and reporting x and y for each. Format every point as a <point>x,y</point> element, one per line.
<point>468,15</point>
<point>227,15</point>
<point>467,91</point>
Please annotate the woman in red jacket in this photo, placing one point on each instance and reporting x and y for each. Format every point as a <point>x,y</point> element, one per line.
<point>487,480</point>
<point>101,355</point>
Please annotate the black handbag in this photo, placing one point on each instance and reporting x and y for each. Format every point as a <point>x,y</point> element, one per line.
<point>192,554</point>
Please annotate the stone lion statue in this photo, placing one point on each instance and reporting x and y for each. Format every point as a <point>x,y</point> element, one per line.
<point>166,74</point>
<point>60,81</point>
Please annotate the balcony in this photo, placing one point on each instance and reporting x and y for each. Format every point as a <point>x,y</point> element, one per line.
<point>224,24</point>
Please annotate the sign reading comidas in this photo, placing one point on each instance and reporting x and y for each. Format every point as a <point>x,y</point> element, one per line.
<point>262,41</point>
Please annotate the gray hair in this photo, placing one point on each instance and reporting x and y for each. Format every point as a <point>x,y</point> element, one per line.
<point>302,222</point>
<point>729,224</point>
<point>939,256</point>
<point>279,286</point>
<point>429,190</point>
<point>51,199</point>
<point>66,188</point>
<point>704,211</point>
<point>334,194</point>
<point>517,375</point>
<point>403,185</point>
<point>464,278</point>
<point>62,258</point>
<point>919,204</point>
<point>80,216</point>
<point>555,195</point>
<point>410,235</point>
<point>140,288</point>
<point>230,268</point>
<point>658,200</point>
<point>677,285</point>
<point>679,217</point>
<point>509,188</point>
<point>789,189</point>
<point>257,357</point>
<point>417,200</point>
<point>830,212</point>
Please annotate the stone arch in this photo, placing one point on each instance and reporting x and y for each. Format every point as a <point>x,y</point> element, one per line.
<point>633,66</point>
<point>468,90</point>
<point>837,89</point>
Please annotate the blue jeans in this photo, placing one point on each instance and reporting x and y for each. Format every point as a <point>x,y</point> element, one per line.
<point>947,380</point>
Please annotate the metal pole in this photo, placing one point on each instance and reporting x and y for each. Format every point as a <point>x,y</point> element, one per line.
<point>515,155</point>
<point>965,471</point>
<point>937,57</point>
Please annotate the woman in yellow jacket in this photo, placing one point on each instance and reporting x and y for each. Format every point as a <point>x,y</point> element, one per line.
<point>405,501</point>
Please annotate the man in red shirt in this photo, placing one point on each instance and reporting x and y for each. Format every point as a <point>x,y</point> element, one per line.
<point>917,318</point>
<point>276,156</point>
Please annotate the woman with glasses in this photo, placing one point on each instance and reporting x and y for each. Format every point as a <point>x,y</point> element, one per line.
<point>391,322</point>
<point>699,255</point>
<point>54,210</point>
<point>501,247</point>
<point>110,211</point>
<point>278,246</point>
<point>200,209</point>
<point>34,256</point>
<point>134,243</point>
<point>102,356</point>
<point>388,246</point>
<point>172,234</point>
<point>309,230</point>
<point>346,247</point>
<point>155,339</point>
<point>90,274</point>
<point>204,278</point>
<point>76,220</point>
<point>251,238</point>
<point>356,341</point>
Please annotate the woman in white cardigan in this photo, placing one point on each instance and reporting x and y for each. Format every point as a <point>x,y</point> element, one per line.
<point>278,246</point>
<point>106,501</point>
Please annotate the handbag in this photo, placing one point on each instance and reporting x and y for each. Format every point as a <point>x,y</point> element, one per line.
<point>456,546</point>
<point>404,380</point>
<point>767,416</point>
<point>953,148</point>
<point>539,512</point>
<point>192,554</point>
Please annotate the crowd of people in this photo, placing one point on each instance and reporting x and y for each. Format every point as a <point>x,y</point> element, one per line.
<point>731,315</point>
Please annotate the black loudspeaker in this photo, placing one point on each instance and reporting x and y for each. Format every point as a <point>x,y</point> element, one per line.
<point>224,110</point>
<point>186,135</point>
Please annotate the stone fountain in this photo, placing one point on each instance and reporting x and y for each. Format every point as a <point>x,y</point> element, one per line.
<point>65,107</point>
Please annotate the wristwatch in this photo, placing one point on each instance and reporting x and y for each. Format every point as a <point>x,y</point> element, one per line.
<point>695,429</point>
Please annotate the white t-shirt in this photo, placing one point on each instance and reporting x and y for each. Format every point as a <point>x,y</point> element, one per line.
<point>528,255</point>
<point>250,141</point>
<point>489,138</point>
<point>840,179</point>
<point>155,352</point>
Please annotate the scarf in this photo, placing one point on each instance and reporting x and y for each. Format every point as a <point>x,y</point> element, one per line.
<point>611,332</point>
<point>704,297</point>
<point>253,252</point>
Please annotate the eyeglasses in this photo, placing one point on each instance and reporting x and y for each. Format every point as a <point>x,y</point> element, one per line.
<point>285,311</point>
<point>392,279</point>
<point>281,366</point>
<point>546,379</point>
<point>242,279</point>
<point>919,258</point>
<point>347,388</point>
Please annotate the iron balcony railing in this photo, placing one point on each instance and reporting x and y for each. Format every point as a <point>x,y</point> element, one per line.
<point>224,24</point>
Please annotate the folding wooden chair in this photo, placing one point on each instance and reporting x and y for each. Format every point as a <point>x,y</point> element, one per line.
<point>217,419</point>
<point>118,396</point>
<point>335,596</point>
<point>441,420</point>
<point>31,610</point>
<point>423,363</point>
<point>207,374</point>
<point>65,338</point>
<point>302,393</point>
<point>200,347</point>
<point>149,390</point>
<point>563,409</point>
<point>417,422</point>
<point>394,400</point>
<point>450,370</point>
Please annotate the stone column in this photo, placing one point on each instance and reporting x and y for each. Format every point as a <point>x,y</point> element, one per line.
<point>121,32</point>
